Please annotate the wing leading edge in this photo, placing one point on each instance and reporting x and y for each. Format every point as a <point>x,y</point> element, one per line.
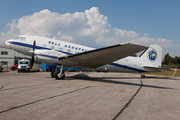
<point>99,57</point>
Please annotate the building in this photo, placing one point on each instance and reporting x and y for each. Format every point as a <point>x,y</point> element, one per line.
<point>7,56</point>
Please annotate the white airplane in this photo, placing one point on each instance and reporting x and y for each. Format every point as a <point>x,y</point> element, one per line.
<point>113,58</point>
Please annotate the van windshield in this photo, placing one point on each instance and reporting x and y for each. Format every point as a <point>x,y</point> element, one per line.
<point>23,62</point>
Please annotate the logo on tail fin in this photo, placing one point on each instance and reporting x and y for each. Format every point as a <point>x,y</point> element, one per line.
<point>152,55</point>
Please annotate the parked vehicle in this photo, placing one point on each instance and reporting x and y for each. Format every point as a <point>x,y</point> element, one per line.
<point>1,67</point>
<point>14,67</point>
<point>24,65</point>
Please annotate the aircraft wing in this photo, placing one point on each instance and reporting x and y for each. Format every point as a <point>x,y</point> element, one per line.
<point>99,57</point>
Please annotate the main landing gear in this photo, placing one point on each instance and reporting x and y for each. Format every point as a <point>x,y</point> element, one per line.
<point>59,74</point>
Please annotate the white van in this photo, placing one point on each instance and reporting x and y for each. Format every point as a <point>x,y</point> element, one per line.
<point>24,65</point>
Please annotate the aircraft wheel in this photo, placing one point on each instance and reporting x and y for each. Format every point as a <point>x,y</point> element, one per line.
<point>52,74</point>
<point>143,76</point>
<point>58,76</point>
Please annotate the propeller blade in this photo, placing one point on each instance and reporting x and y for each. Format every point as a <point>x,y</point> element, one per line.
<point>32,60</point>
<point>34,46</point>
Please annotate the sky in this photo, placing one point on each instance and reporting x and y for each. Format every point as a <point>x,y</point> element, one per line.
<point>95,23</point>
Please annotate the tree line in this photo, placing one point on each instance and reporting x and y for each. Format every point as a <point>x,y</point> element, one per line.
<point>170,61</point>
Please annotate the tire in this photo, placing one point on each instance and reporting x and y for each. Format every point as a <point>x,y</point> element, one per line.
<point>18,71</point>
<point>52,74</point>
<point>13,69</point>
<point>143,76</point>
<point>58,78</point>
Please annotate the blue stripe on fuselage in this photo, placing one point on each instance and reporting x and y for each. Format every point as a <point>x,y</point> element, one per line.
<point>37,47</point>
<point>126,67</point>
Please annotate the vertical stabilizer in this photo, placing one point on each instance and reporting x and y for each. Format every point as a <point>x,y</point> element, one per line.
<point>152,56</point>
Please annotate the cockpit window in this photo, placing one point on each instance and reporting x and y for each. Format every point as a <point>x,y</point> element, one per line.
<point>21,38</point>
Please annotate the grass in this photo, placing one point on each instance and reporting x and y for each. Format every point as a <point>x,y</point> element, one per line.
<point>165,73</point>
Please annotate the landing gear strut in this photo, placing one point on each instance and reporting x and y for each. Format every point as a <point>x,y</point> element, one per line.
<point>59,74</point>
<point>54,72</point>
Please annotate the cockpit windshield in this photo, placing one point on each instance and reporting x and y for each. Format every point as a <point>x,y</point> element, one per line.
<point>21,38</point>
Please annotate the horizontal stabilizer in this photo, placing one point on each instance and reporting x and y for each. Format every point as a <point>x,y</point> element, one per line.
<point>99,57</point>
<point>156,68</point>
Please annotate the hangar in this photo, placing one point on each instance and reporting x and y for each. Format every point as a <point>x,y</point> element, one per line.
<point>7,56</point>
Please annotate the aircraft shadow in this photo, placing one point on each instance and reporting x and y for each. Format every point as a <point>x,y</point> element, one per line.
<point>160,77</point>
<point>105,80</point>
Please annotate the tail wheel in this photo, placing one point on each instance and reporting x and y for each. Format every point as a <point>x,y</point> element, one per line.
<point>143,76</point>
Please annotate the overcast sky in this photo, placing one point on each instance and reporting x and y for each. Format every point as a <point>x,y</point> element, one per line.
<point>95,23</point>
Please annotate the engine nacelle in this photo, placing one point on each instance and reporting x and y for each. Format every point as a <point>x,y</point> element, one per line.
<point>48,56</point>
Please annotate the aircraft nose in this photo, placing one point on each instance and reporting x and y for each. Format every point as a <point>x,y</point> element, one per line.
<point>7,42</point>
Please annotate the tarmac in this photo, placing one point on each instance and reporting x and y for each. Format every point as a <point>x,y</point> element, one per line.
<point>88,96</point>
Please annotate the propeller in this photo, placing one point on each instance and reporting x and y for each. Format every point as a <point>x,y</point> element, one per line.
<point>32,60</point>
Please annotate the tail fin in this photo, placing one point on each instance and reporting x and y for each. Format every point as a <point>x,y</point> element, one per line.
<point>152,56</point>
